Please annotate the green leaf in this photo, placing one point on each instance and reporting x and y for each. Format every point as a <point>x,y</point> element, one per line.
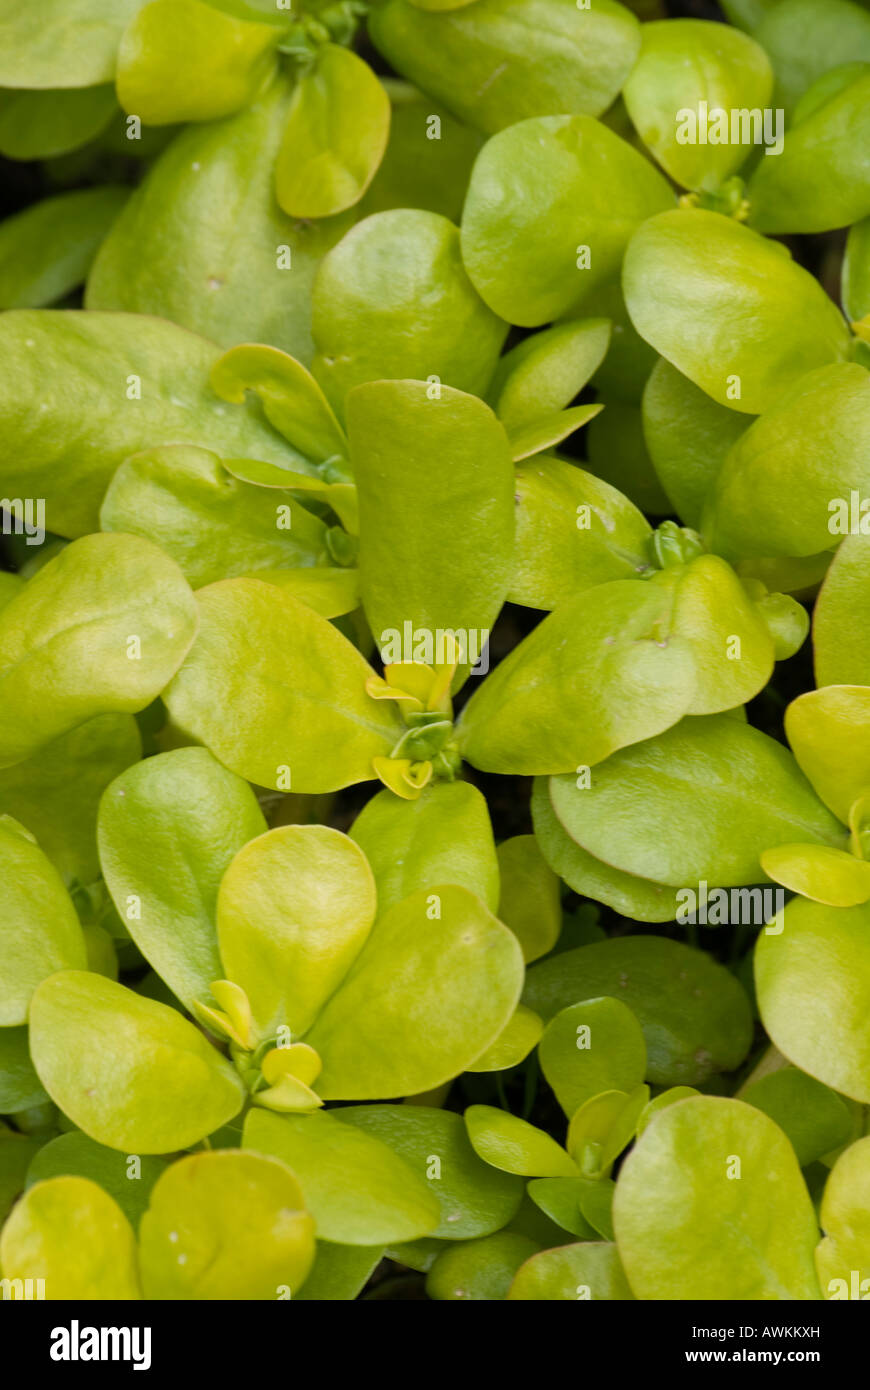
<point>856,271</point>
<point>544,372</point>
<point>434,477</point>
<point>479,1270</point>
<point>662,1101</point>
<point>73,1235</point>
<point>174,250</point>
<point>63,43</point>
<point>805,39</point>
<point>822,425</point>
<point>295,909</point>
<point>711,1204</point>
<point>846,1202</point>
<point>339,496</point>
<point>419,170</point>
<point>550,430</point>
<point>213,526</point>
<point>551,206</point>
<point>68,418</point>
<point>596,1201</point>
<point>387,1201</point>
<point>292,400</point>
<point>330,592</point>
<point>514,1146</point>
<point>639,811</point>
<point>814,1117</point>
<point>567,695</point>
<point>132,1073</point>
<point>591,1269</point>
<point>826,875</point>
<point>828,730</point>
<point>603,1126</point>
<point>16,1151</point>
<point>683,63</point>
<point>530,902</point>
<point>813,986</point>
<point>558,1198</point>
<point>393,299</point>
<point>496,62</point>
<point>732,643</point>
<point>519,1036</point>
<point>340,1272</point>
<point>573,531</point>
<point>694,1014</point>
<point>56,792</point>
<point>41,932</point>
<point>438,980</point>
<point>45,124</point>
<point>728,308</point>
<point>820,179</point>
<point>841,618</point>
<point>638,898</point>
<point>168,829</point>
<point>103,626</point>
<point>127,1178</point>
<point>226,1225</point>
<point>335,135</point>
<point>688,436</point>
<point>181,60</point>
<point>19,1085</point>
<point>293,713</point>
<point>444,836</point>
<point>45,251</point>
<point>474,1199</point>
<point>590,1047</point>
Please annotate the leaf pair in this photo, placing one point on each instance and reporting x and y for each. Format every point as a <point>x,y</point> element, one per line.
<point>621,662</point>
<point>415,1173</point>
<point>189,61</point>
<point>539,378</point>
<point>220,1225</point>
<point>172,252</point>
<point>287,920</point>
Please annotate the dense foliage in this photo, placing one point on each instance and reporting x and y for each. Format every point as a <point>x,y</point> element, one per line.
<point>435,649</point>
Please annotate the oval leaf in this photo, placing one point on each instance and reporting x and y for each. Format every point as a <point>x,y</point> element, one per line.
<point>446,976</point>
<point>294,714</point>
<point>226,1225</point>
<point>686,1229</point>
<point>168,830</point>
<point>103,626</point>
<point>132,1073</point>
<point>335,137</point>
